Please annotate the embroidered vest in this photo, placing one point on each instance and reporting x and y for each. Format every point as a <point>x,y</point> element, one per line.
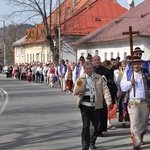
<point>146,80</point>
<point>69,75</point>
<point>78,68</point>
<point>61,67</point>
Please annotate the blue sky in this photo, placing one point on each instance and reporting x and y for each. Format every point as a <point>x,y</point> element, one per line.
<point>6,9</point>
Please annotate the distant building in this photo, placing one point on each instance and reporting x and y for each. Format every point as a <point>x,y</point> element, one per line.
<point>109,42</point>
<point>83,17</point>
<point>19,51</point>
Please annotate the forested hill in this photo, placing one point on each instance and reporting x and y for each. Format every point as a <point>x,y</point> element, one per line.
<point>18,30</point>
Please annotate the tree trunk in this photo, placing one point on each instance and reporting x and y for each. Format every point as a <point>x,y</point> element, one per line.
<point>53,50</point>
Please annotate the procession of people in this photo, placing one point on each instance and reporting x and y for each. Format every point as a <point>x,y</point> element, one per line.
<point>102,88</point>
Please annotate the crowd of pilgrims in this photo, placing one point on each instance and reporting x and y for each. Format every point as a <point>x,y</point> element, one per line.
<point>65,74</point>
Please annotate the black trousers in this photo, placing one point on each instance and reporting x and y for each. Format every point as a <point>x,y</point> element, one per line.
<point>89,114</point>
<point>103,120</point>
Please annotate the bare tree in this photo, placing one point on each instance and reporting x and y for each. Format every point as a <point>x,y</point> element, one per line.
<point>33,8</point>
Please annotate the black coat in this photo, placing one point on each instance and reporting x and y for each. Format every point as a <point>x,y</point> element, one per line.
<point>101,70</point>
<point>103,116</point>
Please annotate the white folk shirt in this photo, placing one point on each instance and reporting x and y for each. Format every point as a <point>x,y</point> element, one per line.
<point>81,71</point>
<point>61,69</point>
<point>139,86</point>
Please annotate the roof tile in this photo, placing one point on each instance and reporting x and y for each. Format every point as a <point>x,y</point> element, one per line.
<point>138,17</point>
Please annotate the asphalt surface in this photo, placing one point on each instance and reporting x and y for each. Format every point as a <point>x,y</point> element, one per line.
<point>37,117</point>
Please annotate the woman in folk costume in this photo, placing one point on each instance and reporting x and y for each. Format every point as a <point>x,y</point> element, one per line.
<point>29,73</point>
<point>52,76</point>
<point>123,112</point>
<point>111,112</point>
<point>138,88</point>
<point>15,71</point>
<point>68,78</point>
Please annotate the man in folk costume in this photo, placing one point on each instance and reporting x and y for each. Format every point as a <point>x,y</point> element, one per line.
<point>89,57</point>
<point>78,70</point>
<point>138,89</point>
<point>62,68</point>
<point>128,71</point>
<point>91,90</point>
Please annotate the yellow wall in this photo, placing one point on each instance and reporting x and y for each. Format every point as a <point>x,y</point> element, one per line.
<point>34,52</point>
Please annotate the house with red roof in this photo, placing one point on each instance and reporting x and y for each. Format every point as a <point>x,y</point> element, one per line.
<point>86,16</point>
<point>109,40</point>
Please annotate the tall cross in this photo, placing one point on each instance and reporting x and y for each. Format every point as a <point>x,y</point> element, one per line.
<point>130,33</point>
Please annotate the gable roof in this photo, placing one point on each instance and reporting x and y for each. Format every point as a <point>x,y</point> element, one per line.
<point>67,9</point>
<point>138,17</point>
<point>86,17</point>
<point>18,43</point>
<point>92,16</point>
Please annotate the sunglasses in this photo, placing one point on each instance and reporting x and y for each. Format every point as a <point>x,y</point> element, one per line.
<point>138,54</point>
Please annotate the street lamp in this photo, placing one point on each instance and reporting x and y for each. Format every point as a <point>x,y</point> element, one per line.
<point>4,41</point>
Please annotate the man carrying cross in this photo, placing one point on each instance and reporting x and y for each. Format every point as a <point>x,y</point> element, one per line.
<point>138,108</point>
<point>136,83</point>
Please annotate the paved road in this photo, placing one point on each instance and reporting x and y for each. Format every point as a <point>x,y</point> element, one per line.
<point>38,117</point>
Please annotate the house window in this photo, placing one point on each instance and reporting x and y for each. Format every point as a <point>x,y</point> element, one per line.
<point>118,54</point>
<point>33,57</point>
<point>22,52</point>
<point>37,56</point>
<point>111,55</point>
<point>43,59</point>
<point>27,58</point>
<point>125,55</point>
<point>17,52</point>
<point>105,56</point>
<point>96,52</point>
<point>82,54</point>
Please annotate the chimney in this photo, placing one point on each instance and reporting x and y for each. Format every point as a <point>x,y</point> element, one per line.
<point>130,4</point>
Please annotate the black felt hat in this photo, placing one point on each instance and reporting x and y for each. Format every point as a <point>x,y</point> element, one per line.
<point>89,56</point>
<point>138,49</point>
<point>81,58</point>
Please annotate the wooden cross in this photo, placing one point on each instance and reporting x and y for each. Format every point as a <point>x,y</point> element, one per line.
<point>130,33</point>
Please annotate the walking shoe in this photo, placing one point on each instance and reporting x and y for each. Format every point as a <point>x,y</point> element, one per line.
<point>100,135</point>
<point>123,125</point>
<point>136,146</point>
<point>109,126</point>
<point>142,143</point>
<point>93,147</point>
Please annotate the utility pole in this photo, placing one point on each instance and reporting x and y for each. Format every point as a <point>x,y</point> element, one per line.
<point>59,42</point>
<point>4,43</point>
<point>4,40</point>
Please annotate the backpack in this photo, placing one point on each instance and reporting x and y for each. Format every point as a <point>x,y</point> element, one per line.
<point>112,88</point>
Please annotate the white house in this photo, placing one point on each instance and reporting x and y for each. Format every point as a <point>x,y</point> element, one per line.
<point>85,17</point>
<point>109,41</point>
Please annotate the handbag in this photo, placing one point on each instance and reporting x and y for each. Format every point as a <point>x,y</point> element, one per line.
<point>112,112</point>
